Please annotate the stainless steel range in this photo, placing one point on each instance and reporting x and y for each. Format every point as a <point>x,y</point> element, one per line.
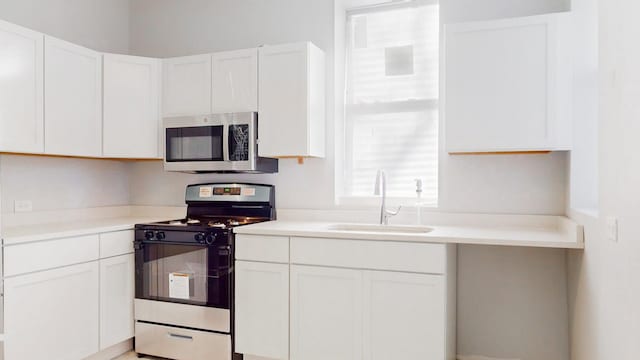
<point>184,272</point>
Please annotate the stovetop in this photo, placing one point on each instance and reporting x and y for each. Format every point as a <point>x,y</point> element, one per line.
<point>207,223</point>
<point>213,210</point>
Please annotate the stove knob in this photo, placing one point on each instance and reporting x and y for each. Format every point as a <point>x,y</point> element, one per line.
<point>199,237</point>
<point>160,235</point>
<point>211,237</point>
<point>148,235</point>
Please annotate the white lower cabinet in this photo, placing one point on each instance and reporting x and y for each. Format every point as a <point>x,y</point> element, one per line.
<point>73,298</point>
<point>262,309</point>
<point>52,314</point>
<point>360,314</point>
<point>348,299</point>
<point>404,316</point>
<point>326,313</point>
<point>117,290</point>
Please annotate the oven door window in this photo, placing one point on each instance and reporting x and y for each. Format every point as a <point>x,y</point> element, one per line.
<point>202,143</point>
<point>187,274</point>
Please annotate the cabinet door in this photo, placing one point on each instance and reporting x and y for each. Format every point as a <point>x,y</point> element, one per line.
<point>326,313</point>
<point>283,100</point>
<point>21,89</point>
<point>505,90</point>
<point>73,99</point>
<point>116,299</point>
<point>131,106</point>
<point>262,309</point>
<point>187,85</point>
<point>52,314</point>
<point>235,81</point>
<point>404,316</point>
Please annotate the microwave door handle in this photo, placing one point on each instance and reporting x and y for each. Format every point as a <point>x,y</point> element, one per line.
<point>225,141</point>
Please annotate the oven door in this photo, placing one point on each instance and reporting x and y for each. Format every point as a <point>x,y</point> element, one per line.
<point>184,273</point>
<point>220,142</point>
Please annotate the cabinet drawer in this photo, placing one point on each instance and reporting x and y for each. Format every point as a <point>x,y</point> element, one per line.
<point>364,254</point>
<point>42,255</point>
<point>178,343</point>
<point>262,248</point>
<point>116,243</point>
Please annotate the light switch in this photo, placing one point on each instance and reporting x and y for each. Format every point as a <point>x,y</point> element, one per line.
<point>612,228</point>
<point>22,206</point>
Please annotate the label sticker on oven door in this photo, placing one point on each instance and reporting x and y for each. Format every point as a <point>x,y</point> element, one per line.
<point>180,285</point>
<point>206,191</point>
<point>248,192</point>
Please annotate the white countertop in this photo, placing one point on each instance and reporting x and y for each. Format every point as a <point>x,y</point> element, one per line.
<point>563,234</point>
<point>482,229</point>
<point>28,233</point>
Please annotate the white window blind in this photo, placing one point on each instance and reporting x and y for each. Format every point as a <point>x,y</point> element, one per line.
<point>392,99</point>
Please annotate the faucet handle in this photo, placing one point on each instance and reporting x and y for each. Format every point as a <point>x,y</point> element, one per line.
<point>394,213</point>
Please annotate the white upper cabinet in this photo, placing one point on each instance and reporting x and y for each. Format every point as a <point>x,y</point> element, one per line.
<point>21,87</point>
<point>131,106</point>
<point>235,81</point>
<point>187,85</point>
<point>508,85</point>
<point>291,92</point>
<point>73,99</point>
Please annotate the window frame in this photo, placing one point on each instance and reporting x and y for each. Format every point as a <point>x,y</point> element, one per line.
<point>362,202</point>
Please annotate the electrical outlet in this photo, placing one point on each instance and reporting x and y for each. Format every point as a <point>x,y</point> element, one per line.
<point>612,229</point>
<point>22,206</point>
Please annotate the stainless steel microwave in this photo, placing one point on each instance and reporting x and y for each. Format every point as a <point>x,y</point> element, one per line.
<point>215,143</point>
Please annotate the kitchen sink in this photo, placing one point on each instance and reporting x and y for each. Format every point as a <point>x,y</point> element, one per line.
<point>396,229</point>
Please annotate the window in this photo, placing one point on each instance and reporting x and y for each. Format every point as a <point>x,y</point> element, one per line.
<point>391,118</point>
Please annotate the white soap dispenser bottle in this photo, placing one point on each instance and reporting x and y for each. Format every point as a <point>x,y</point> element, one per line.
<point>418,201</point>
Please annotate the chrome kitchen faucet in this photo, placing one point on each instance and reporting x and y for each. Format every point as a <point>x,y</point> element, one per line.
<point>381,189</point>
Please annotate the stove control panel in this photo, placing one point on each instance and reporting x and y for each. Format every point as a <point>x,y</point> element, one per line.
<point>227,191</point>
<point>202,237</point>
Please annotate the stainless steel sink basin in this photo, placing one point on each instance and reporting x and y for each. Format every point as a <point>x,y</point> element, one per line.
<point>375,228</point>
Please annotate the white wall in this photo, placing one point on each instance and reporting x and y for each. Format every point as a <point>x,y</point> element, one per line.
<point>62,183</point>
<point>102,25</point>
<point>605,301</point>
<point>512,303</point>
